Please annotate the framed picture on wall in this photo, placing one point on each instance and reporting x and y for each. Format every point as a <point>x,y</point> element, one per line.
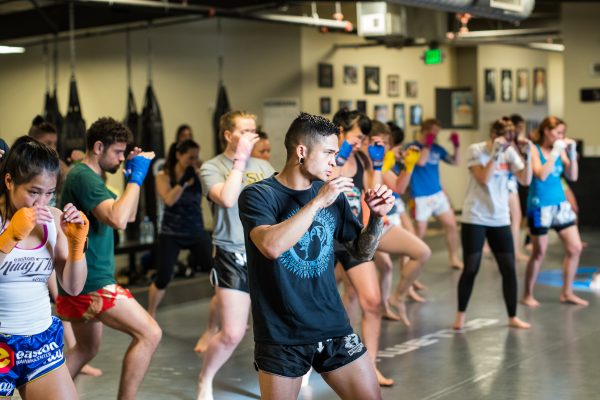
<point>416,114</point>
<point>381,113</point>
<point>361,106</point>
<point>347,104</point>
<point>325,105</point>
<point>506,85</point>
<point>539,86</point>
<point>393,85</point>
<point>372,83</point>
<point>461,102</point>
<point>325,75</point>
<point>399,116</point>
<point>350,74</point>
<point>489,82</point>
<point>412,89</point>
<point>522,85</point>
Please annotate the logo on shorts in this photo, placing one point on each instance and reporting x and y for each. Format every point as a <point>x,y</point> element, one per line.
<point>49,352</point>
<point>311,256</point>
<point>6,388</point>
<point>7,358</point>
<point>353,344</point>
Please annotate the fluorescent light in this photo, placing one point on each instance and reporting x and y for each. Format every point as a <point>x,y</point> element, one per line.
<point>548,46</point>
<point>11,50</point>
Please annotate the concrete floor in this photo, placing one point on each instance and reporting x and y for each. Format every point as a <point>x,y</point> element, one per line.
<point>553,360</point>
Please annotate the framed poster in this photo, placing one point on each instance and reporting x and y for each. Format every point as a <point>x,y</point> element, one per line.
<point>399,116</point>
<point>489,82</point>
<point>381,113</point>
<point>347,104</point>
<point>325,105</point>
<point>350,74</point>
<point>461,102</point>
<point>522,85</point>
<point>393,85</point>
<point>539,86</point>
<point>506,85</point>
<point>325,75</point>
<point>361,106</point>
<point>372,83</point>
<point>416,114</point>
<point>412,89</point>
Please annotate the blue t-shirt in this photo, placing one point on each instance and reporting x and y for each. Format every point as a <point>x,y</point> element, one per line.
<point>548,192</point>
<point>295,299</point>
<point>425,180</point>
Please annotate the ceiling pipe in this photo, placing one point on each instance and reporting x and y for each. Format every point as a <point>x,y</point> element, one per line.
<point>479,8</point>
<point>507,32</point>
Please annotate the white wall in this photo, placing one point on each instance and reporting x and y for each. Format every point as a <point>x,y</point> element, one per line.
<point>582,47</point>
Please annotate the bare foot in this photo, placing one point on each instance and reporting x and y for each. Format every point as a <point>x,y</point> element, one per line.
<point>459,321</point>
<point>389,314</point>
<point>414,296</point>
<point>383,381</point>
<point>401,307</point>
<point>456,264</point>
<point>572,299</point>
<point>419,286</point>
<point>91,371</point>
<point>522,257</point>
<point>202,343</point>
<point>529,301</point>
<point>515,322</point>
<point>205,391</point>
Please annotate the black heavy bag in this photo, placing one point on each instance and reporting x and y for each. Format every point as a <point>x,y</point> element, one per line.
<point>221,108</point>
<point>132,121</point>
<point>152,139</point>
<point>73,137</point>
<point>52,113</point>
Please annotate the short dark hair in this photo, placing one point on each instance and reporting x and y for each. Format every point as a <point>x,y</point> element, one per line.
<point>180,130</point>
<point>347,119</point>
<point>41,127</point>
<point>397,133</point>
<point>306,129</point>
<point>516,119</point>
<point>262,134</point>
<point>108,131</point>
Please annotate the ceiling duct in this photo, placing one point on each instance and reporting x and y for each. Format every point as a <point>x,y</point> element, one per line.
<point>508,10</point>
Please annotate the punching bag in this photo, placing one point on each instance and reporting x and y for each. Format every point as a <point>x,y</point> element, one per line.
<point>222,106</point>
<point>73,133</point>
<point>132,121</point>
<point>52,113</point>
<point>152,139</point>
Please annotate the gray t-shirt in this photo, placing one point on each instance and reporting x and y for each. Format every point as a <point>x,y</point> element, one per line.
<point>487,204</point>
<point>228,233</point>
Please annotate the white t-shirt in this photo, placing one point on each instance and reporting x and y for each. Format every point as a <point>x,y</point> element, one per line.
<point>487,204</point>
<point>25,306</point>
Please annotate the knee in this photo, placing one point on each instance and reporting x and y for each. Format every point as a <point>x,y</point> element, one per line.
<point>372,306</point>
<point>424,254</point>
<point>574,250</point>
<point>232,337</point>
<point>152,334</point>
<point>89,350</point>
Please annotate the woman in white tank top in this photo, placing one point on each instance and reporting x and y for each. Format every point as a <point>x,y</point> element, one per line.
<point>31,246</point>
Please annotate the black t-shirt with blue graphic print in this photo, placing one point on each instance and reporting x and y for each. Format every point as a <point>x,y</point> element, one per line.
<point>295,298</point>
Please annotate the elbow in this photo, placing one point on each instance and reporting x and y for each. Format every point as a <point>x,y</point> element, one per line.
<point>119,223</point>
<point>74,288</point>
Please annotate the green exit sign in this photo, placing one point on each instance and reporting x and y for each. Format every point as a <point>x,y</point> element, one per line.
<point>433,57</point>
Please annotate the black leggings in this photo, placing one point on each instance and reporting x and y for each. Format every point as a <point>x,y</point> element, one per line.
<point>168,249</point>
<point>501,242</point>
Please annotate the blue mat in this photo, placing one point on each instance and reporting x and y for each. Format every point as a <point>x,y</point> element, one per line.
<point>553,277</point>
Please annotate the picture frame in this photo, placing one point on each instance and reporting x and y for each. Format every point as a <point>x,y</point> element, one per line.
<point>506,85</point>
<point>380,113</point>
<point>325,105</point>
<point>361,106</point>
<point>325,75</point>
<point>345,104</point>
<point>412,89</point>
<point>539,91</point>
<point>455,107</point>
<point>393,85</point>
<point>399,115</point>
<point>350,74</point>
<point>372,81</point>
<point>522,83</point>
<point>416,114</point>
<point>489,84</point>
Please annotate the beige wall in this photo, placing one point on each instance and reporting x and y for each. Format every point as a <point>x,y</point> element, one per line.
<point>582,47</point>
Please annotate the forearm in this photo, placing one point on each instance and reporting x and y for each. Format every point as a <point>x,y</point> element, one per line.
<point>173,195</point>
<point>364,247</point>
<point>275,240</point>
<point>125,206</point>
<point>456,156</point>
<point>402,182</point>
<point>231,189</point>
<point>73,275</point>
<point>524,176</point>
<point>424,156</point>
<point>373,178</point>
<point>571,170</point>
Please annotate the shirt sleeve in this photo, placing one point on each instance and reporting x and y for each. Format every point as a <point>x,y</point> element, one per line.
<point>210,176</point>
<point>90,192</point>
<point>256,207</point>
<point>444,155</point>
<point>474,156</point>
<point>348,228</point>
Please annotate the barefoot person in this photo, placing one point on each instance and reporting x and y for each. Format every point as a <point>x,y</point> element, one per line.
<point>35,235</point>
<point>486,216</point>
<point>102,301</point>
<point>290,223</point>
<point>547,207</point>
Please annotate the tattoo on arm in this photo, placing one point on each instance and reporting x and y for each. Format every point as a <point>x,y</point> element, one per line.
<point>364,246</point>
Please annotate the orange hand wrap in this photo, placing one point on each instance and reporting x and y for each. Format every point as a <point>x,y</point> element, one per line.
<point>20,226</point>
<point>76,236</point>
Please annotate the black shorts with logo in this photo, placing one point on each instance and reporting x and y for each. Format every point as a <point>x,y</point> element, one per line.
<point>230,271</point>
<point>295,361</point>
<point>342,255</point>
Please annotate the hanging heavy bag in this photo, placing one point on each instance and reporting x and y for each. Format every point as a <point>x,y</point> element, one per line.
<point>73,137</point>
<point>222,106</point>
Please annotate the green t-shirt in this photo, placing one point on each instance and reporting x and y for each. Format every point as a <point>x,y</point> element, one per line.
<point>85,189</point>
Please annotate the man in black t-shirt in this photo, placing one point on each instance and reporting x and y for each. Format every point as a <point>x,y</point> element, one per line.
<point>290,223</point>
